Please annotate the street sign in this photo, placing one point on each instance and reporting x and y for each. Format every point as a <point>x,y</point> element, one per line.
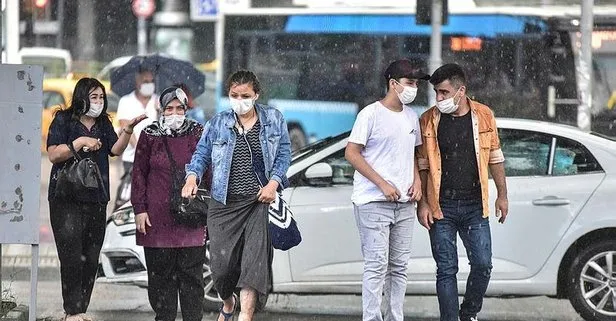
<point>20,140</point>
<point>204,10</point>
<point>143,8</point>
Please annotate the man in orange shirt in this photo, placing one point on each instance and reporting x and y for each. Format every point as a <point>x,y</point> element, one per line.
<point>460,145</point>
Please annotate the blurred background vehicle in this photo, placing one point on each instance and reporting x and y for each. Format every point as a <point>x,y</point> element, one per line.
<point>56,62</point>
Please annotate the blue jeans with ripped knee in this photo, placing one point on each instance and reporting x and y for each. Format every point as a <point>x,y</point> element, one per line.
<point>463,217</point>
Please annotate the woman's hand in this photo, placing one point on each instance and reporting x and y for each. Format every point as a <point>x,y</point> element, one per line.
<point>267,194</point>
<point>87,144</point>
<point>141,220</point>
<point>135,121</point>
<point>190,188</point>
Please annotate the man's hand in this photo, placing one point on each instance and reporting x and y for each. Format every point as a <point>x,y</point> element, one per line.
<point>391,193</point>
<point>502,209</point>
<point>267,194</point>
<point>415,191</point>
<point>424,215</point>
<point>190,187</point>
<point>141,220</point>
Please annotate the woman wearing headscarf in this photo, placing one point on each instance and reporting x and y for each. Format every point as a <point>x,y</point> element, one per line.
<point>249,150</point>
<point>174,253</point>
<point>78,221</point>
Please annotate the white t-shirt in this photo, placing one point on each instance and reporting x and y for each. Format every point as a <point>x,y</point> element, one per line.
<point>389,139</point>
<point>130,107</point>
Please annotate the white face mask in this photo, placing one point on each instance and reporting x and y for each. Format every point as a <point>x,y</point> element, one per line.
<point>173,121</point>
<point>147,89</point>
<point>448,106</point>
<point>407,95</point>
<point>241,106</point>
<point>95,110</point>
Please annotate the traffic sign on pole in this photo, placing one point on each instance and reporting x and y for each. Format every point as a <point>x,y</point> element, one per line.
<point>143,8</point>
<point>204,10</point>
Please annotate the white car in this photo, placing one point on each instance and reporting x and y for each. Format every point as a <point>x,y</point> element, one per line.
<point>559,239</point>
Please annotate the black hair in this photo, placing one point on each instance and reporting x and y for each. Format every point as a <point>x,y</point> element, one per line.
<point>242,77</point>
<point>452,72</point>
<point>80,103</point>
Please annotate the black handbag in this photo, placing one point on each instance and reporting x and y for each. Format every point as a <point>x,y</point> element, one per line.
<point>79,178</point>
<point>186,211</point>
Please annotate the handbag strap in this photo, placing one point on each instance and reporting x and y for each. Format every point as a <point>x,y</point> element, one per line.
<point>252,158</point>
<point>174,166</point>
<point>73,151</point>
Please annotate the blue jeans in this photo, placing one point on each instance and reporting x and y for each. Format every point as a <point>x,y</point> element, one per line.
<point>463,217</point>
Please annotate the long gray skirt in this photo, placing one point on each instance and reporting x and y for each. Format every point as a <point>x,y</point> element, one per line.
<point>240,247</point>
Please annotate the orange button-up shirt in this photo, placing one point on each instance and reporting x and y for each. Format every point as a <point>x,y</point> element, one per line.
<point>487,151</point>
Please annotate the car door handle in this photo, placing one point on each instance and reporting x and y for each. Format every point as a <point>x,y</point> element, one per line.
<point>551,201</point>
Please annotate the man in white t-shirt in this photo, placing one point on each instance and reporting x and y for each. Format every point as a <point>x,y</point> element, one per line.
<point>386,186</point>
<point>141,101</point>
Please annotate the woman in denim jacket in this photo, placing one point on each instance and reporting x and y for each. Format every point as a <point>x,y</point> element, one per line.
<point>249,150</point>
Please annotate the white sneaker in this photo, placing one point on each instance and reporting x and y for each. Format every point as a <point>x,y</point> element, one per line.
<point>474,319</point>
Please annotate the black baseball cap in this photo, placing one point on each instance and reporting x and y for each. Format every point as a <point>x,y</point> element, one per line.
<point>404,68</point>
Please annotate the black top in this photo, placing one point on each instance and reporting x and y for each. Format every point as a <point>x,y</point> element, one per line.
<point>460,176</point>
<point>242,178</point>
<point>65,129</point>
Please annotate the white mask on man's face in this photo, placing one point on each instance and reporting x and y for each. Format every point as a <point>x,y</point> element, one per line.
<point>95,110</point>
<point>147,89</point>
<point>407,95</point>
<point>448,106</point>
<point>241,106</point>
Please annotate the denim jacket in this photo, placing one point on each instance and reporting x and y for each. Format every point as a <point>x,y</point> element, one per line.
<point>218,141</point>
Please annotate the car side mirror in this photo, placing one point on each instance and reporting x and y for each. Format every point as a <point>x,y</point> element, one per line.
<point>319,174</point>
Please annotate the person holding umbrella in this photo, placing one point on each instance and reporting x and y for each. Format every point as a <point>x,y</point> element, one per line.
<point>142,100</point>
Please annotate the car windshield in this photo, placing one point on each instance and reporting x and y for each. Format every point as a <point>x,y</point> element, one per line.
<point>310,149</point>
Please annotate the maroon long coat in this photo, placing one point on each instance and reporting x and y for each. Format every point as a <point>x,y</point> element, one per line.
<point>151,185</point>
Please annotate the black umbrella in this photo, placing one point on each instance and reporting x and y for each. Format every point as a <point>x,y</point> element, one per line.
<point>167,72</point>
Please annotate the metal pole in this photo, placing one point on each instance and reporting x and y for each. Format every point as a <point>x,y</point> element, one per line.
<point>33,282</point>
<point>12,31</point>
<point>1,268</point>
<point>60,19</point>
<point>219,31</point>
<point>584,69</point>
<point>436,43</point>
<point>142,36</point>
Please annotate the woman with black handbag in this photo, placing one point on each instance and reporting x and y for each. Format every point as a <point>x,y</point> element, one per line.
<point>173,239</point>
<point>249,150</point>
<point>82,133</point>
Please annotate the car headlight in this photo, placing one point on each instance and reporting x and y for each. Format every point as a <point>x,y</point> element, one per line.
<point>123,217</point>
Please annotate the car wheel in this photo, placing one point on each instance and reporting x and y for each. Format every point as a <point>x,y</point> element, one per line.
<point>592,287</point>
<point>212,301</point>
<point>297,137</point>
